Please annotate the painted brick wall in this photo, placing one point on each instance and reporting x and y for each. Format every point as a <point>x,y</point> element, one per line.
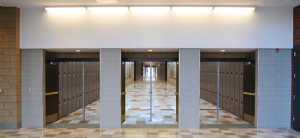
<point>33,78</point>
<point>273,88</point>
<point>10,69</point>
<point>189,88</point>
<point>110,88</point>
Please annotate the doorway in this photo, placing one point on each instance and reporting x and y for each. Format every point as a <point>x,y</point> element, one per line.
<point>150,99</point>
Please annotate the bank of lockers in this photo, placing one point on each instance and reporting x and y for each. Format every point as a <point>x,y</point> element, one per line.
<point>71,85</point>
<point>230,85</point>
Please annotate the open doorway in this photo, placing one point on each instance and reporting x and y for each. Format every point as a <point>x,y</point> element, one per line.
<point>227,88</point>
<point>72,92</point>
<point>138,111</point>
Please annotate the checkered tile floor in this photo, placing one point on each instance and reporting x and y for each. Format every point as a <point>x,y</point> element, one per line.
<point>92,115</point>
<point>164,107</point>
<point>148,133</point>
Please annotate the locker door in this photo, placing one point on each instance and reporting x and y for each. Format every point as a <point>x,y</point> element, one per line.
<point>232,87</point>
<point>60,90</point>
<point>236,89</point>
<point>65,89</point>
<point>220,84</point>
<point>80,84</point>
<point>73,86</point>
<point>93,81</point>
<point>77,85</point>
<point>223,85</point>
<point>69,87</point>
<point>228,86</point>
<point>86,84</point>
<point>241,74</point>
<point>98,81</point>
<point>214,99</point>
<point>205,81</point>
<point>241,110</point>
<point>237,102</point>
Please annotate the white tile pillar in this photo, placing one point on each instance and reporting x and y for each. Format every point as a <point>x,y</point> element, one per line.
<point>189,88</point>
<point>110,88</point>
<point>273,88</point>
<point>33,78</point>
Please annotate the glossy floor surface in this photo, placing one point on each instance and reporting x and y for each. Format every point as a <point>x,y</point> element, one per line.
<point>148,133</point>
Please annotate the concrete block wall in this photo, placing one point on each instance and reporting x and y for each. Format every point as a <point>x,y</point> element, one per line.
<point>189,88</point>
<point>33,77</point>
<point>110,88</point>
<point>273,88</point>
<point>10,68</point>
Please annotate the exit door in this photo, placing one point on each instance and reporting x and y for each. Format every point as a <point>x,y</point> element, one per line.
<point>296,112</point>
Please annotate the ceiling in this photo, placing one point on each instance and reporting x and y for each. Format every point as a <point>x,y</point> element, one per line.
<point>45,3</point>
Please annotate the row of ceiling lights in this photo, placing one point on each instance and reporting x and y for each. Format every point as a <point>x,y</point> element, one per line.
<point>154,9</point>
<point>150,50</point>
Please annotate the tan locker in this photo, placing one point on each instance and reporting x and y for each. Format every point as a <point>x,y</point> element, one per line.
<point>77,85</point>
<point>232,87</point>
<point>236,89</point>
<point>73,86</point>
<point>60,90</point>
<point>65,89</point>
<point>220,85</point>
<point>223,85</point>
<point>80,84</point>
<point>241,89</point>
<point>86,83</point>
<point>69,87</point>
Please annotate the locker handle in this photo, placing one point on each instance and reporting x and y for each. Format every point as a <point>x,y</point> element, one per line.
<point>64,100</point>
<point>241,74</point>
<point>231,73</point>
<point>227,97</point>
<point>231,99</point>
<point>73,97</point>
<point>59,73</point>
<point>241,102</point>
<point>64,73</point>
<point>236,100</point>
<point>59,102</point>
<point>236,73</point>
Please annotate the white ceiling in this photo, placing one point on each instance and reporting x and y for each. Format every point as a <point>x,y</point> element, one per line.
<point>153,50</point>
<point>44,3</point>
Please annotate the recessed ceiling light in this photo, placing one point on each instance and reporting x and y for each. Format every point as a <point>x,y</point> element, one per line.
<point>192,9</point>
<point>150,9</point>
<point>77,50</point>
<point>65,9</point>
<point>150,50</point>
<point>222,50</point>
<point>108,9</point>
<point>107,1</point>
<point>234,9</point>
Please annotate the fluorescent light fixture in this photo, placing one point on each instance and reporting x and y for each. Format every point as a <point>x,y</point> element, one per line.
<point>108,9</point>
<point>150,9</point>
<point>77,50</point>
<point>65,9</point>
<point>234,9</point>
<point>192,9</point>
<point>150,50</point>
<point>222,50</point>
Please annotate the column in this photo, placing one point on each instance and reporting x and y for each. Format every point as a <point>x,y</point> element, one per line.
<point>189,88</point>
<point>110,88</point>
<point>273,88</point>
<point>33,88</point>
<point>10,69</point>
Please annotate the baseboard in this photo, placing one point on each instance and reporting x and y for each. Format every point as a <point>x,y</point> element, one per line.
<point>10,125</point>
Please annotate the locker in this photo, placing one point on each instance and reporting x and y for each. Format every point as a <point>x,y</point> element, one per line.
<point>237,101</point>
<point>232,74</point>
<point>227,74</point>
<point>86,83</point>
<point>228,98</point>
<point>241,104</point>
<point>60,90</point>
<point>232,100</point>
<point>73,101</point>
<point>69,89</point>
<point>241,74</point>
<point>80,85</point>
<point>236,74</point>
<point>98,81</point>
<point>220,85</point>
<point>77,85</point>
<point>89,84</point>
<point>93,81</point>
<point>65,89</point>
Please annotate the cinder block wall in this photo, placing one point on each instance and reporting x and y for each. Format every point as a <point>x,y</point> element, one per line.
<point>189,88</point>
<point>10,69</point>
<point>273,88</point>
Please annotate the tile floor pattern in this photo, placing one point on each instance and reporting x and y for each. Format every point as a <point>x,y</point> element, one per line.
<point>149,133</point>
<point>210,116</point>
<point>164,107</point>
<point>138,102</point>
<point>92,115</point>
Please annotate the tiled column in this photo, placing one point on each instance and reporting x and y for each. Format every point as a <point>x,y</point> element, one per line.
<point>189,88</point>
<point>110,88</point>
<point>10,69</point>
<point>33,110</point>
<point>273,88</point>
